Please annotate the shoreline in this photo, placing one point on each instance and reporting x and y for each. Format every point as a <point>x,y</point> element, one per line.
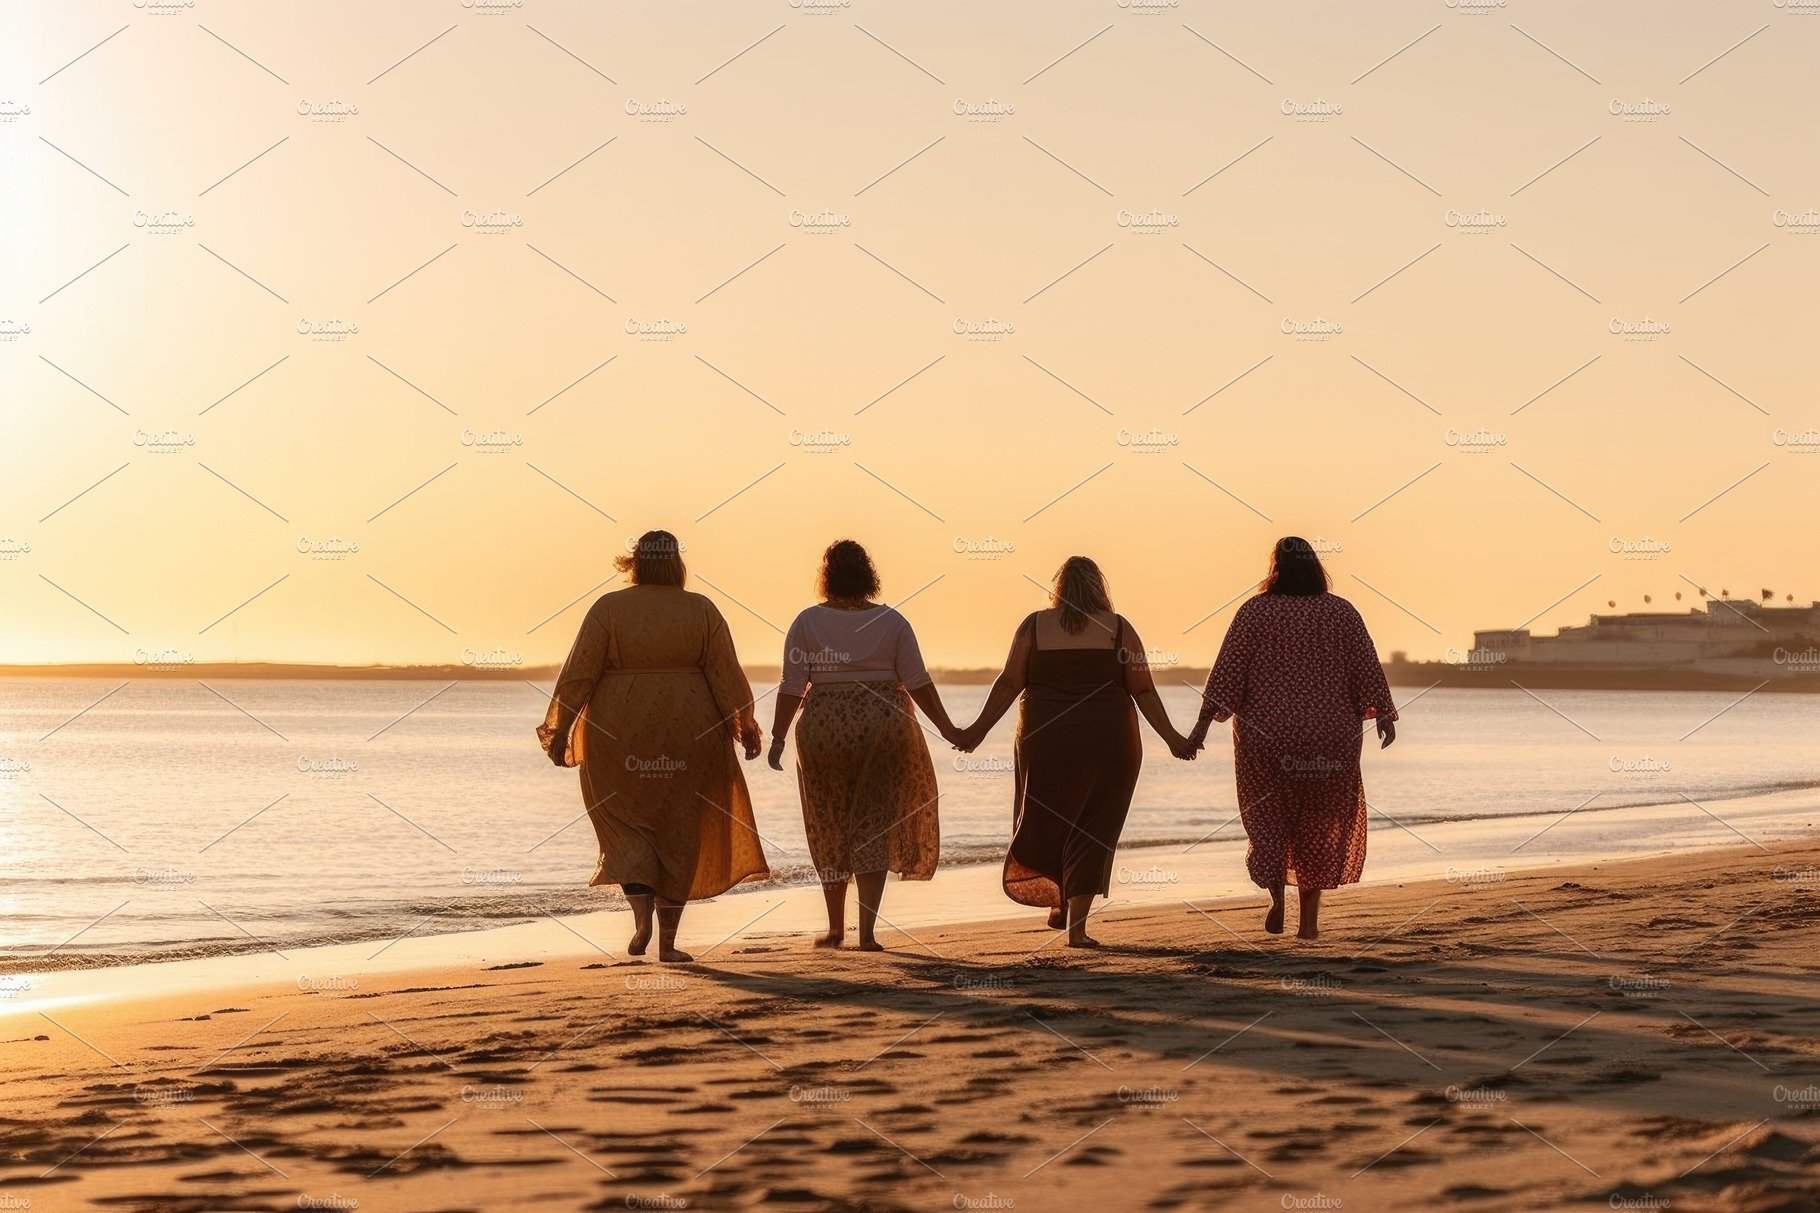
<point>564,898</point>
<point>1403,850</point>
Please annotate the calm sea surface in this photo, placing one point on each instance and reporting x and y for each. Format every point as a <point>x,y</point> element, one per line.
<point>176,819</point>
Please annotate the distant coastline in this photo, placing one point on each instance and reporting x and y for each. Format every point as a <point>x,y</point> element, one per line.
<point>201,670</point>
<point>757,674</point>
<point>1475,674</point>
<point>281,669</point>
<point>1765,675</point>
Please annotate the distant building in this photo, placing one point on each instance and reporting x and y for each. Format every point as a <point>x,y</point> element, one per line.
<point>1722,633</point>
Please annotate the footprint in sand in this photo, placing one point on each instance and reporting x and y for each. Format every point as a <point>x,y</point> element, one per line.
<point>1621,1076</point>
<point>636,1097</point>
<point>658,1055</point>
<point>1093,1156</point>
<point>964,1156</point>
<point>705,1109</point>
<point>1565,1059</point>
<point>1472,1192</point>
<point>755,1093</point>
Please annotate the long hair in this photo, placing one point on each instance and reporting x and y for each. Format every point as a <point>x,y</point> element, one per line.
<point>1295,568</point>
<point>655,559</point>
<point>847,572</point>
<point>1079,590</point>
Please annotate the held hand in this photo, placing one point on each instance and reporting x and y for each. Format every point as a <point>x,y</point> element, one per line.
<point>1183,748</point>
<point>776,758</point>
<point>559,749</point>
<point>1387,733</point>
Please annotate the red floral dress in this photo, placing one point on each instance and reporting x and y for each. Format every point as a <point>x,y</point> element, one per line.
<point>1301,674</point>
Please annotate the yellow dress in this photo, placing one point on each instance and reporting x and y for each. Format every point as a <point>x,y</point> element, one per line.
<point>650,704</point>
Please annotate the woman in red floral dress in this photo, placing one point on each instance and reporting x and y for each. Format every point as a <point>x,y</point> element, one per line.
<point>1300,672</point>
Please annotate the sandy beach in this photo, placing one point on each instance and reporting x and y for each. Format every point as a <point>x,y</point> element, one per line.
<point>1642,1034</point>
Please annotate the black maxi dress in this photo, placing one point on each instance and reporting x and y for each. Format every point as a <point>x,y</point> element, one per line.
<point>1077,760</point>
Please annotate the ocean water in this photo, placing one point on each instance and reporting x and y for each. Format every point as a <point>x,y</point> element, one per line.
<point>159,819</point>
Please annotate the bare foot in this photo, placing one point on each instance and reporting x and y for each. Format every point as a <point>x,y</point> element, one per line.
<point>1273,918</point>
<point>1057,920</point>
<point>674,956</point>
<point>1311,914</point>
<point>641,941</point>
<point>870,945</point>
<point>831,939</point>
<point>1083,941</point>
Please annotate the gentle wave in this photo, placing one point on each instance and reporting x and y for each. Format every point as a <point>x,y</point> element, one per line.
<point>394,920</point>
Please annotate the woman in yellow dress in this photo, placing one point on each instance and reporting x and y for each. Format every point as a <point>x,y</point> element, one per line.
<point>650,705</point>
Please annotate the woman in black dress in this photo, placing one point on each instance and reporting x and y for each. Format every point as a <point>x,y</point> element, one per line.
<point>1079,668</point>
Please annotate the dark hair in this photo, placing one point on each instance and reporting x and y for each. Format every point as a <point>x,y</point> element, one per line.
<point>847,572</point>
<point>1295,568</point>
<point>655,559</point>
<point>1078,590</point>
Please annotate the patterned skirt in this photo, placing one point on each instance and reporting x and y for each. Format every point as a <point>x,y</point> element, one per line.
<point>867,782</point>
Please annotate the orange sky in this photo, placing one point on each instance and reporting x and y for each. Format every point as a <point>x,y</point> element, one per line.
<point>580,232</point>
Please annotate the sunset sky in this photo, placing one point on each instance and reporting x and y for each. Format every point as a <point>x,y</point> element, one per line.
<point>958,281</point>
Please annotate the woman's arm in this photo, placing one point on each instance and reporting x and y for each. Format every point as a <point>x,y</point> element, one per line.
<point>1005,688</point>
<point>1141,686</point>
<point>727,682</point>
<point>792,686</point>
<point>907,661</point>
<point>1225,690</point>
<point>1151,705</point>
<point>574,687</point>
<point>787,706</point>
<point>929,700</point>
<point>1373,688</point>
<point>1210,712</point>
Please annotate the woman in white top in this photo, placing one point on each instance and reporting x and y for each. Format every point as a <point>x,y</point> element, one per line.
<point>868,786</point>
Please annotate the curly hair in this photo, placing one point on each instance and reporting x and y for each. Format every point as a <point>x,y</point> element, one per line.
<point>655,559</point>
<point>847,572</point>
